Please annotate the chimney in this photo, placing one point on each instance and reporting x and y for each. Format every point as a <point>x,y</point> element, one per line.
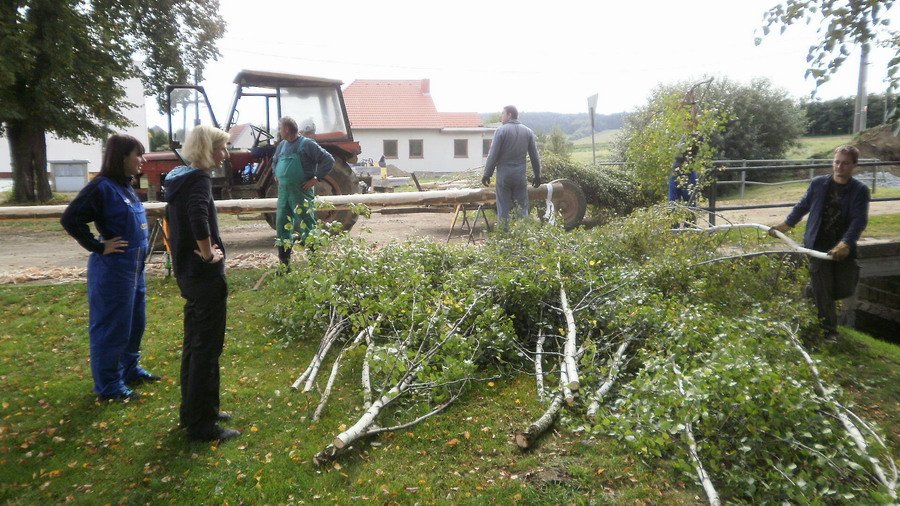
<point>426,86</point>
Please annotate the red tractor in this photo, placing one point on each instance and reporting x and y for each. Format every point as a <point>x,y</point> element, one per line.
<point>248,173</point>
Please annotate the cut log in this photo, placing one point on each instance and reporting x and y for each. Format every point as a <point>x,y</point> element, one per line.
<point>567,196</point>
<point>524,439</point>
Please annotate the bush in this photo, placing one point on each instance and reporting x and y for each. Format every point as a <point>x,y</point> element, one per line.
<point>610,190</point>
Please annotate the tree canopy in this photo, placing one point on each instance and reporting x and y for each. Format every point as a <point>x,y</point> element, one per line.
<point>63,65</point>
<point>764,121</point>
<point>843,24</point>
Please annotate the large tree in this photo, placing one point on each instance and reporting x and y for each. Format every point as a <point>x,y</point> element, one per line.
<point>842,25</point>
<point>63,64</point>
<point>764,121</point>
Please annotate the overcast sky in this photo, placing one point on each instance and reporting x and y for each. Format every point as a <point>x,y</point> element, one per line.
<point>547,56</point>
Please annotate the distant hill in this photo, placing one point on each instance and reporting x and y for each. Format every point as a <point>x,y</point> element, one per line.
<point>575,126</point>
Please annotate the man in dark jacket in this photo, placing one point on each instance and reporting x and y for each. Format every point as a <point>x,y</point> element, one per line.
<point>838,207</point>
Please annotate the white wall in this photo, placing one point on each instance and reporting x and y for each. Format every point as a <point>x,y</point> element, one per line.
<point>437,148</point>
<point>58,149</point>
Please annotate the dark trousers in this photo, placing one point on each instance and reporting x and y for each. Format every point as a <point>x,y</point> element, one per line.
<point>831,281</point>
<point>204,336</point>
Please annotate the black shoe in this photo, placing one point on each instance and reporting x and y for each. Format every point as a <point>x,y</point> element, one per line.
<point>123,396</point>
<point>223,416</point>
<point>217,433</point>
<point>145,377</point>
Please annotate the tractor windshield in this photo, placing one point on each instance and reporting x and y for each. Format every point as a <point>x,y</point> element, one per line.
<point>322,105</point>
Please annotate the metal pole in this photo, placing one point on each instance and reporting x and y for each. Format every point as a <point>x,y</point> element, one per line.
<point>859,118</point>
<point>712,200</point>
<point>593,145</point>
<point>743,178</point>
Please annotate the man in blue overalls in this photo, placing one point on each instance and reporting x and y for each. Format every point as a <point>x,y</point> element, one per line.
<point>300,163</point>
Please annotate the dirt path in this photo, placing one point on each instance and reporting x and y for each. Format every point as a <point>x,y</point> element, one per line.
<point>50,255</point>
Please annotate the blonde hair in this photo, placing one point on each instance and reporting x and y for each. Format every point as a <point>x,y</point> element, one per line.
<point>200,143</point>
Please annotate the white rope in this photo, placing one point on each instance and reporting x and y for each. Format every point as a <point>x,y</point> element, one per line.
<point>550,213</point>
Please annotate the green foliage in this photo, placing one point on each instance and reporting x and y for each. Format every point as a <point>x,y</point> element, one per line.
<point>835,116</point>
<point>655,134</point>
<point>844,24</point>
<point>610,190</point>
<point>719,327</point>
<point>761,121</point>
<point>556,143</point>
<point>159,139</point>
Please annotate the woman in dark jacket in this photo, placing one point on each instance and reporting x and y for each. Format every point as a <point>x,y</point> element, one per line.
<point>198,259</point>
<point>115,274</point>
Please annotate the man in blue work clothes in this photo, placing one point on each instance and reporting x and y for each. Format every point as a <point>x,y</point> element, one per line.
<point>838,207</point>
<point>300,163</point>
<point>512,141</point>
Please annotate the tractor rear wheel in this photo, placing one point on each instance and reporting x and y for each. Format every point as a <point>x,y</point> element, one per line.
<point>340,181</point>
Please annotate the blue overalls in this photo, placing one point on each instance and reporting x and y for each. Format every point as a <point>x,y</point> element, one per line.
<point>117,293</point>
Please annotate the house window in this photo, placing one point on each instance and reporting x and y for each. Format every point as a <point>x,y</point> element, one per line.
<point>416,148</point>
<point>485,147</point>
<point>390,149</point>
<point>461,148</point>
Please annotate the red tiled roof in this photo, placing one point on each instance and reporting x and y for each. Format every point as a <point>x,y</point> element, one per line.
<point>400,104</point>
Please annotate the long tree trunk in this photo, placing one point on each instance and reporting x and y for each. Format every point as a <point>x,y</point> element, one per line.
<point>28,150</point>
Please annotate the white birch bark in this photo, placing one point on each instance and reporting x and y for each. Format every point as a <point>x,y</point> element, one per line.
<point>539,366</point>
<point>890,484</point>
<point>600,393</point>
<point>711,494</point>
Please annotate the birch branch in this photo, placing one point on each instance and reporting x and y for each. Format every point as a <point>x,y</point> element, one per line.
<point>330,338</point>
<point>366,379</point>
<point>570,345</point>
<point>765,228</point>
<point>538,364</point>
<point>317,357</point>
<point>851,428</point>
<point>334,370</point>
<point>707,483</point>
<point>600,394</point>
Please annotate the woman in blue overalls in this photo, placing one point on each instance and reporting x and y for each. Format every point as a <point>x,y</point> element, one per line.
<point>115,274</point>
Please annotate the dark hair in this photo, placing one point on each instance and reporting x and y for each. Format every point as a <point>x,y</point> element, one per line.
<point>117,148</point>
<point>512,111</point>
<point>849,150</point>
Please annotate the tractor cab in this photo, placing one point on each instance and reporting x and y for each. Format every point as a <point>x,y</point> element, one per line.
<point>260,99</point>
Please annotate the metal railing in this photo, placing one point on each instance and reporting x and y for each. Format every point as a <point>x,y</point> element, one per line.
<point>744,166</point>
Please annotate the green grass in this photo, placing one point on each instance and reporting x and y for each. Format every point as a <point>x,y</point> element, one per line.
<point>817,146</point>
<point>581,151</point>
<point>57,442</point>
<point>789,192</point>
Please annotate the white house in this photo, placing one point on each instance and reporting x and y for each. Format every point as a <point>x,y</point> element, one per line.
<point>62,152</point>
<point>397,119</point>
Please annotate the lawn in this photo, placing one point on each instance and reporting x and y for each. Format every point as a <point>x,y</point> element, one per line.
<point>581,150</point>
<point>817,146</point>
<point>58,443</point>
